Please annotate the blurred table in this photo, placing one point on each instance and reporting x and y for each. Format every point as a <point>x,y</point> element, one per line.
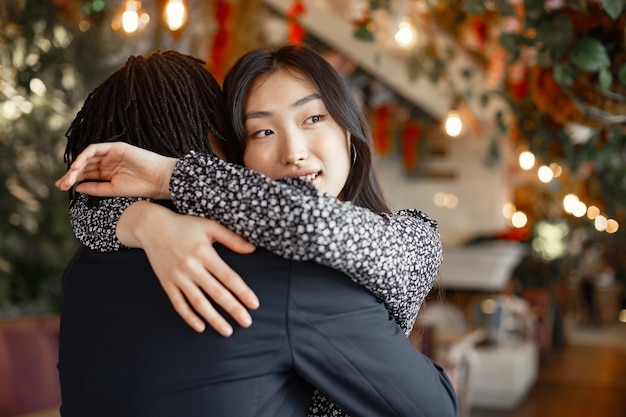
<point>483,267</point>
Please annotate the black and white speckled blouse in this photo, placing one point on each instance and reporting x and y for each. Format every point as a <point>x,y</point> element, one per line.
<point>395,256</point>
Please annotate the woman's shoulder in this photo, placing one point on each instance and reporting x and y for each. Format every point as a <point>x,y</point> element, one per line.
<point>412,213</point>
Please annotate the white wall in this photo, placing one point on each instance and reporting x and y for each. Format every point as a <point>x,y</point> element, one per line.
<point>481,191</point>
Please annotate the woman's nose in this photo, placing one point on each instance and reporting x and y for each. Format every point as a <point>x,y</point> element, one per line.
<point>295,150</point>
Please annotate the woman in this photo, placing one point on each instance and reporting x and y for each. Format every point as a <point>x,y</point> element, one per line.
<point>294,117</point>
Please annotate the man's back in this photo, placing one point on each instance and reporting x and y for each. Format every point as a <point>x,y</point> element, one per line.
<point>125,352</point>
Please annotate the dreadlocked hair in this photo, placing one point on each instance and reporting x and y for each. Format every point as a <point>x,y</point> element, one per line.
<point>166,102</point>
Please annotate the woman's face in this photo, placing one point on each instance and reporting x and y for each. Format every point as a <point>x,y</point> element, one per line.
<point>290,133</point>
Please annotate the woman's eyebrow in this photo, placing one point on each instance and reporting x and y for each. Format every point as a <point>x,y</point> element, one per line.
<point>298,103</point>
<point>256,114</point>
<point>301,102</point>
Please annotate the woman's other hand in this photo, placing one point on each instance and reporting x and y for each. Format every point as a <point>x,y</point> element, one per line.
<point>129,171</point>
<point>180,250</point>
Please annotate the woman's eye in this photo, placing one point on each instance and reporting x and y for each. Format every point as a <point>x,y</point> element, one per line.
<point>262,133</point>
<point>314,119</point>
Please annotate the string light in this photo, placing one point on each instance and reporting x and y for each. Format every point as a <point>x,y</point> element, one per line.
<point>612,226</point>
<point>577,208</point>
<point>556,169</point>
<point>519,219</point>
<point>453,125</point>
<point>175,14</point>
<point>526,160</point>
<point>508,210</point>
<point>406,36</point>
<point>130,17</point>
<point>600,223</point>
<point>592,212</point>
<point>545,174</point>
<point>402,31</point>
<point>580,209</point>
<point>569,202</point>
<point>573,205</point>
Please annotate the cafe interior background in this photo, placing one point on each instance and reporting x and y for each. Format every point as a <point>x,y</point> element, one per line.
<point>503,119</point>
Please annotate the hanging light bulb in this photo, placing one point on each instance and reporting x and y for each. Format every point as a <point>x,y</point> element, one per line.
<point>526,160</point>
<point>545,175</point>
<point>130,17</point>
<point>406,35</point>
<point>612,226</point>
<point>569,202</point>
<point>453,125</point>
<point>175,14</point>
<point>600,223</point>
<point>519,219</point>
<point>398,28</point>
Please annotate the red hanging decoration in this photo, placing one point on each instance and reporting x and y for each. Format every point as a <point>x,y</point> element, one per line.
<point>381,130</point>
<point>411,134</point>
<point>480,30</point>
<point>296,31</point>
<point>518,78</point>
<point>519,90</point>
<point>219,50</point>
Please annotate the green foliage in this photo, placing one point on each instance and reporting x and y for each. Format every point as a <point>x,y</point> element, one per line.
<point>589,55</point>
<point>364,34</point>
<point>492,156</point>
<point>581,44</point>
<point>473,7</point>
<point>556,34</point>
<point>563,75</point>
<point>605,79</point>
<point>535,12</point>
<point>48,67</point>
<point>613,8</point>
<point>581,61</point>
<point>40,94</point>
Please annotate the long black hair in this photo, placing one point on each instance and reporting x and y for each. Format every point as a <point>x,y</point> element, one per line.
<point>362,186</point>
<point>167,102</point>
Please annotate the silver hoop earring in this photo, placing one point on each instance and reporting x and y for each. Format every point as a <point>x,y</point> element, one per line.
<point>353,152</point>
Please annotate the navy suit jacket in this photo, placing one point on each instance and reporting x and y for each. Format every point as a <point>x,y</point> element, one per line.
<point>124,351</point>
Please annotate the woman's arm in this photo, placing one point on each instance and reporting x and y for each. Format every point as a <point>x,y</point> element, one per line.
<point>95,224</point>
<point>396,257</point>
<point>400,274</point>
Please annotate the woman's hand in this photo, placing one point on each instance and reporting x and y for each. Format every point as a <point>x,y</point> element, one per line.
<point>180,250</point>
<point>130,171</point>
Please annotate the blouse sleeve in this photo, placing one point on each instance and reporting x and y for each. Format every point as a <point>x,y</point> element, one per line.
<point>395,256</point>
<point>95,223</point>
